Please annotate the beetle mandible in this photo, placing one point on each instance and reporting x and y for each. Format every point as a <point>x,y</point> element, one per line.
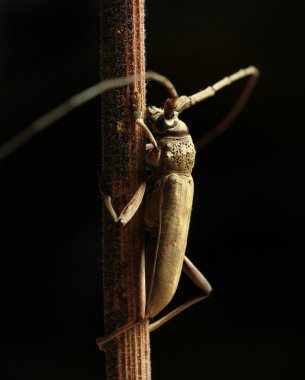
<point>168,196</point>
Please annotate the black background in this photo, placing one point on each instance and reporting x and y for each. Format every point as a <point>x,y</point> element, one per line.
<point>247,225</point>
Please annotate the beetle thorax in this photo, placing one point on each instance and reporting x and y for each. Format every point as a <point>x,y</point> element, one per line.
<point>174,140</point>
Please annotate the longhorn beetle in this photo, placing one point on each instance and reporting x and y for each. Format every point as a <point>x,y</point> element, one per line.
<point>168,193</point>
<point>168,197</point>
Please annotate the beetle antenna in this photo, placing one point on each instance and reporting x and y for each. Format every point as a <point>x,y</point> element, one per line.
<point>185,102</point>
<point>76,101</point>
<point>232,114</point>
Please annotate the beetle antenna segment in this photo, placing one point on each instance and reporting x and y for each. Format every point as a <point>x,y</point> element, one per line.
<point>185,102</point>
<point>237,107</point>
<point>165,82</point>
<point>211,90</point>
<point>76,101</point>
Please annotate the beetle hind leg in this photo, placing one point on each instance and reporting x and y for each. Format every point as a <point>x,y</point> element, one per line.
<point>121,330</point>
<point>142,301</point>
<point>198,279</point>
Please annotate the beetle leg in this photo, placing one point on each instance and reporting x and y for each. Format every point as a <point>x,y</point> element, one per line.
<point>198,279</point>
<point>105,339</point>
<point>142,304</point>
<point>149,135</point>
<point>139,118</point>
<point>196,276</point>
<point>149,146</point>
<point>153,157</point>
<point>108,205</point>
<point>142,286</point>
<point>129,210</point>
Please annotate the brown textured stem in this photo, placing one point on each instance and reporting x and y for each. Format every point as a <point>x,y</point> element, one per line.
<point>128,356</point>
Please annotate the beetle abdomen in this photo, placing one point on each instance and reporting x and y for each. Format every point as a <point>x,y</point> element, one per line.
<point>167,218</point>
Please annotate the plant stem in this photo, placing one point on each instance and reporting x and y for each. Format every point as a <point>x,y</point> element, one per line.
<point>128,356</point>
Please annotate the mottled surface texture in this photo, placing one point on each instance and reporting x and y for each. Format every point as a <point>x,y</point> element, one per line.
<point>122,173</point>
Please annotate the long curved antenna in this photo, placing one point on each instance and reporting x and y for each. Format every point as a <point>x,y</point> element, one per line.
<point>184,102</point>
<point>76,101</point>
<point>235,110</point>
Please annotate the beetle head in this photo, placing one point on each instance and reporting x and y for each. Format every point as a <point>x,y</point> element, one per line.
<point>159,122</point>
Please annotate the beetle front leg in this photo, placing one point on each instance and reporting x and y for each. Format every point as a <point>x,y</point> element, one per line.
<point>198,279</point>
<point>153,155</point>
<point>139,119</point>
